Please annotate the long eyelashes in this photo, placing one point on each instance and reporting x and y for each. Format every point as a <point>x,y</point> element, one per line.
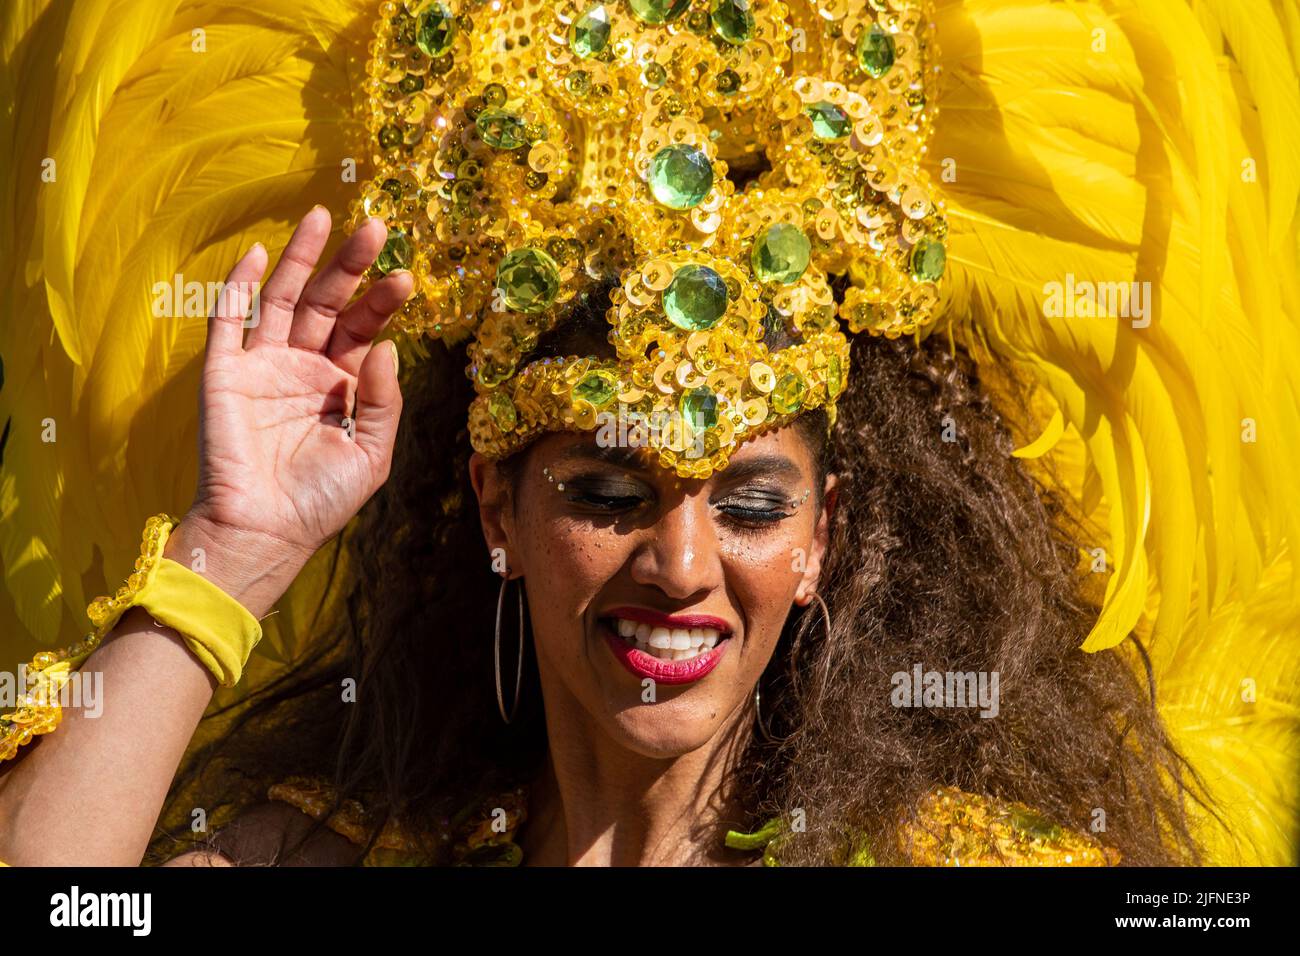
<point>752,512</point>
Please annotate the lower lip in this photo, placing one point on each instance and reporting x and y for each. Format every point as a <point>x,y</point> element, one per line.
<point>664,672</point>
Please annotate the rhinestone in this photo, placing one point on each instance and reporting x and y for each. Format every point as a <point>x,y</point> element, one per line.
<point>787,397</point>
<point>696,298</point>
<point>529,279</point>
<point>590,32</point>
<point>680,176</point>
<point>875,51</point>
<point>658,11</point>
<point>396,253</point>
<point>503,411</point>
<point>598,388</point>
<point>780,254</point>
<point>828,120</point>
<point>732,20</point>
<point>700,408</point>
<point>436,31</point>
<point>928,260</point>
<point>501,128</point>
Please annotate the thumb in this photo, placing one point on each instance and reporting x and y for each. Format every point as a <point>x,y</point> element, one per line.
<point>379,403</point>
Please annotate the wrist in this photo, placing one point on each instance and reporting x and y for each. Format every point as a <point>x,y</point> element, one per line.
<point>252,567</point>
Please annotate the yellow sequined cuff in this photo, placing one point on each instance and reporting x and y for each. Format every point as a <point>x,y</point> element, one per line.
<point>217,629</point>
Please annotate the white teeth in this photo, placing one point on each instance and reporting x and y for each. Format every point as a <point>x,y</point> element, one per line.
<point>675,644</point>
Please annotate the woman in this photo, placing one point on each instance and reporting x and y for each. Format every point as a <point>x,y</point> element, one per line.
<point>673,695</point>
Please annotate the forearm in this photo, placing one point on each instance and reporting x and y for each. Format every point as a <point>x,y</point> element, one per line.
<point>92,791</point>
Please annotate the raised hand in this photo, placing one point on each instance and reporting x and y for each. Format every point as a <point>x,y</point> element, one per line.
<point>279,471</point>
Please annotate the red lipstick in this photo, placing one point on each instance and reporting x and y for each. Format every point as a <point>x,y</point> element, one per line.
<point>643,665</point>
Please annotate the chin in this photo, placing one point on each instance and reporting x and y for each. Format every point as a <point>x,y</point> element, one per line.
<point>669,728</point>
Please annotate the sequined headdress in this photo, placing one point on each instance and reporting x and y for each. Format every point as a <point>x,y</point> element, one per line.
<point>527,152</point>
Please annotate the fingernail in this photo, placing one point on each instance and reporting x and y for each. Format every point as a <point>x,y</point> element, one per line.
<point>253,248</point>
<point>392,347</point>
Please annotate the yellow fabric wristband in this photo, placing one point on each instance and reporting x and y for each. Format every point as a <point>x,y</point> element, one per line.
<point>217,629</point>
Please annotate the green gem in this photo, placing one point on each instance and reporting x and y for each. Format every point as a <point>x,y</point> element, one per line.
<point>700,408</point>
<point>875,51</point>
<point>834,376</point>
<point>529,279</point>
<point>658,11</point>
<point>597,387</point>
<point>396,253</point>
<point>928,260</point>
<point>780,254</point>
<point>590,32</point>
<point>787,397</point>
<point>728,82</point>
<point>654,75</point>
<point>732,20</point>
<point>436,31</point>
<point>501,128</point>
<point>390,136</point>
<point>680,176</point>
<point>829,121</point>
<point>1036,826</point>
<point>696,298</point>
<point>503,412</point>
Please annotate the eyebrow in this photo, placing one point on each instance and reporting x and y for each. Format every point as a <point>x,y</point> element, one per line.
<point>770,464</point>
<point>623,456</point>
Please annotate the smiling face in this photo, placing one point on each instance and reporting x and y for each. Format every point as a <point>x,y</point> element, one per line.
<point>635,577</point>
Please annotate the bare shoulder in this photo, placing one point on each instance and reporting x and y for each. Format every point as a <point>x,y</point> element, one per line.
<point>272,834</point>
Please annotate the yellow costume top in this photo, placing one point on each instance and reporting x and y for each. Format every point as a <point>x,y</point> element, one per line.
<point>1103,191</point>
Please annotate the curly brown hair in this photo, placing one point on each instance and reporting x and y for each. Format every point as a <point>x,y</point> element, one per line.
<point>944,553</point>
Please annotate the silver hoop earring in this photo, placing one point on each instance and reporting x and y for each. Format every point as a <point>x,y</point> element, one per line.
<point>496,652</point>
<point>758,696</point>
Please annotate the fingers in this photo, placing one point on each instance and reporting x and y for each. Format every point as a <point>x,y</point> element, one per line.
<point>226,323</point>
<point>360,322</point>
<point>379,403</point>
<point>328,293</point>
<point>280,295</point>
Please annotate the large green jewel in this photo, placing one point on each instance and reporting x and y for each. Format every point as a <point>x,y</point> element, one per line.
<point>658,11</point>
<point>680,176</point>
<point>436,31</point>
<point>700,408</point>
<point>787,397</point>
<point>396,253</point>
<point>875,51</point>
<point>828,120</point>
<point>696,298</point>
<point>928,260</point>
<point>503,411</point>
<point>501,128</point>
<point>598,388</point>
<point>590,32</point>
<point>529,280</point>
<point>780,254</point>
<point>732,20</point>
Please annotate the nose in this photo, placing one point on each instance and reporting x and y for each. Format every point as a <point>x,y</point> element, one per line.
<point>679,554</point>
